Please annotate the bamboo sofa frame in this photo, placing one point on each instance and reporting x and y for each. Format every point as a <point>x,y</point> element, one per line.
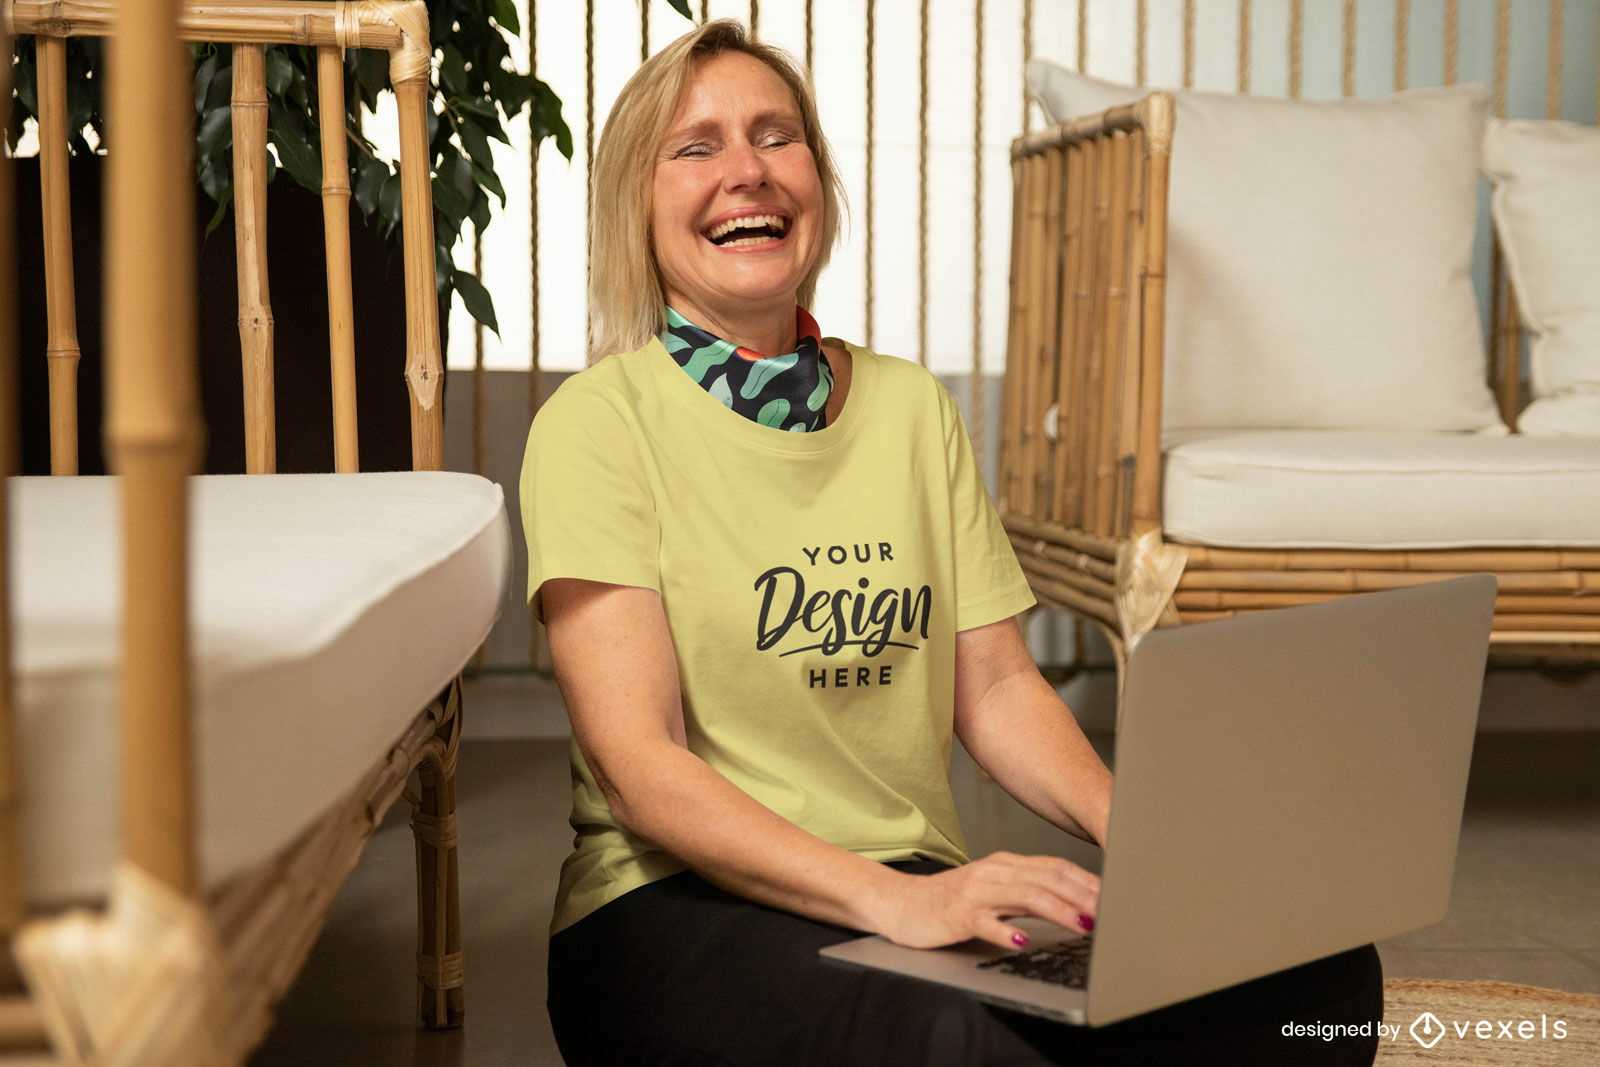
<point>249,939</point>
<point>1085,341</point>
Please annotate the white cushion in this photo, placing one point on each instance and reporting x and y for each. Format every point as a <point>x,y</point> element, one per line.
<point>1546,207</point>
<point>1318,258</point>
<point>326,611</point>
<point>1322,489</point>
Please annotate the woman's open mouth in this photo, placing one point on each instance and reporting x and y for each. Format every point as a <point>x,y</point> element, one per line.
<point>747,230</point>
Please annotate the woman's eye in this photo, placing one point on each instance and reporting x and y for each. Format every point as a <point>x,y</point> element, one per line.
<point>694,151</point>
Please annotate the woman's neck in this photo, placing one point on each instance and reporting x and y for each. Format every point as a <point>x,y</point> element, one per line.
<point>766,332</point>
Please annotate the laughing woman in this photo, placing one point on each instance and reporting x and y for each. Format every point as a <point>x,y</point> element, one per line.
<point>776,590</point>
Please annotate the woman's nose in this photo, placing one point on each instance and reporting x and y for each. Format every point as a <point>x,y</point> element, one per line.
<point>745,167</point>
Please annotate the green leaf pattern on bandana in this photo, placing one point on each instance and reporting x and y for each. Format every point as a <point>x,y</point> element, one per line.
<point>786,392</point>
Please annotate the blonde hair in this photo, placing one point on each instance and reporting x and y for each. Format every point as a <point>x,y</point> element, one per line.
<point>626,293</point>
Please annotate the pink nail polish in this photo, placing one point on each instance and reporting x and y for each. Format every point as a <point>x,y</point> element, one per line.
<point>1087,923</point>
<point>1019,939</point>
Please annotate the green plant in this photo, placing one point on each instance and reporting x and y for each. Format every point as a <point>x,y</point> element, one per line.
<point>476,91</point>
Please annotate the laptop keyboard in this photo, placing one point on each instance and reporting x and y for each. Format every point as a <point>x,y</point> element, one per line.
<point>1065,963</point>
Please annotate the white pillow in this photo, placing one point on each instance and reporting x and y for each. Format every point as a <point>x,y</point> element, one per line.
<point>1318,258</point>
<point>1546,207</point>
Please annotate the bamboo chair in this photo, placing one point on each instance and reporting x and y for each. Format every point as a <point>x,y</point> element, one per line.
<point>173,973</point>
<point>1084,507</point>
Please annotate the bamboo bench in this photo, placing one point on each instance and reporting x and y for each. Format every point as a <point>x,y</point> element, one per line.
<point>278,633</point>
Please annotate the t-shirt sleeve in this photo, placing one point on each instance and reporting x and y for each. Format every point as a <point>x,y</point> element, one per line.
<point>990,585</point>
<point>588,509</point>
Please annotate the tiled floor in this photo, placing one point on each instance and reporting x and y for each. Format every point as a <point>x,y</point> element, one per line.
<point>1524,907</point>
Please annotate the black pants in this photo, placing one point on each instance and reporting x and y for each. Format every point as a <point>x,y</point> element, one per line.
<point>681,972</point>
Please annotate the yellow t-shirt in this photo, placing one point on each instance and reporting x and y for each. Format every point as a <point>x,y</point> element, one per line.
<point>813,584</point>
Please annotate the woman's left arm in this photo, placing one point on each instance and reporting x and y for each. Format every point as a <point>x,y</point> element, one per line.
<point>1021,733</point>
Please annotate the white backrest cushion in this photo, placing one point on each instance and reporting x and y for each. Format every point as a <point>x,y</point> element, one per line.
<point>1546,207</point>
<point>1318,259</point>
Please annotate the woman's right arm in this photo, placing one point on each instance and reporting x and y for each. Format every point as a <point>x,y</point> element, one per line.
<point>618,674</point>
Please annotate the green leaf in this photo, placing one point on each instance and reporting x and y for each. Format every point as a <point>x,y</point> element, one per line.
<point>488,179</point>
<point>222,210</point>
<point>479,304</point>
<point>546,120</point>
<point>453,71</point>
<point>389,205</point>
<point>280,72</point>
<point>292,135</point>
<point>480,213</point>
<point>505,13</point>
<point>450,202</point>
<point>682,8</point>
<point>214,139</point>
<point>369,183</point>
<point>476,143</point>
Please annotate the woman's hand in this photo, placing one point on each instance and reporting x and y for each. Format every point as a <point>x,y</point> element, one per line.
<point>929,911</point>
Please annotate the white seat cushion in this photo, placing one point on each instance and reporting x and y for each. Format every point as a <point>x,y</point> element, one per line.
<point>1318,489</point>
<point>326,611</point>
<point>1319,258</point>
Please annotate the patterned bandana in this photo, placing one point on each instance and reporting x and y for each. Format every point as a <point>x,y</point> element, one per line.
<point>783,392</point>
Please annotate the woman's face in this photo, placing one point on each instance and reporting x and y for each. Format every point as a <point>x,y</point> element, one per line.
<point>736,204</point>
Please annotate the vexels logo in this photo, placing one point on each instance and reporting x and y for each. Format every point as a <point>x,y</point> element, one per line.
<point>1427,1030</point>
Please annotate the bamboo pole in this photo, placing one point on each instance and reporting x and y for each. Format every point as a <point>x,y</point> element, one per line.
<point>1063,502</point>
<point>336,240</point>
<point>1577,612</point>
<point>61,346</point>
<point>1011,386</point>
<point>408,71</point>
<point>1105,572</point>
<point>250,228</point>
<point>1065,598</point>
<point>1077,345</point>
<point>310,22</point>
<point>1101,548</point>
<point>1093,411</point>
<point>153,425</point>
<point>1084,582</point>
<point>1111,321</point>
<point>1573,583</point>
<point>1036,247</point>
<point>1042,361</point>
<point>1497,560</point>
<point>1127,443</point>
<point>1157,115</point>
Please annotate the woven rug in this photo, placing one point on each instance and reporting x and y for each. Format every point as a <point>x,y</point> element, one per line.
<point>1526,1025</point>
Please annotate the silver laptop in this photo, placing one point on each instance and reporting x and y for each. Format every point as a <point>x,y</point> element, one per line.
<point>1289,784</point>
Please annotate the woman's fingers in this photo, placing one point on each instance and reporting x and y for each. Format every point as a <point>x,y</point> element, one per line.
<point>979,899</point>
<point>1049,888</point>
